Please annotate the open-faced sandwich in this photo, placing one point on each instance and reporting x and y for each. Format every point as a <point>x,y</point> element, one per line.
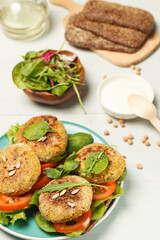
<point>65,180</point>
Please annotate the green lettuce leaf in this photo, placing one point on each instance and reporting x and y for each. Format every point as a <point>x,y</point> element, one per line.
<point>11,134</point>
<point>12,217</point>
<point>98,212</point>
<point>75,234</point>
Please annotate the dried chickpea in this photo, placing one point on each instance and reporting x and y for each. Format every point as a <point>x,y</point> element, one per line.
<point>130,136</point>
<point>133,66</point>
<point>106,132</point>
<point>146,137</point>
<point>138,73</point>
<point>125,139</point>
<point>104,76</point>
<point>130,142</point>
<point>121,121</point>
<point>158,143</point>
<point>147,143</point>
<point>109,120</point>
<point>115,125</point>
<point>122,125</point>
<point>139,166</point>
<point>138,69</point>
<point>143,140</point>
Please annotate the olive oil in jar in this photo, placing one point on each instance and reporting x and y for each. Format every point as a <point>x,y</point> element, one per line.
<point>23,19</point>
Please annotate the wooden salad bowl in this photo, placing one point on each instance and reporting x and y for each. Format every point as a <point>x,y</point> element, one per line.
<point>52,99</point>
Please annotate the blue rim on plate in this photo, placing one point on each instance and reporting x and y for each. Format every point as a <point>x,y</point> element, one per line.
<point>29,229</point>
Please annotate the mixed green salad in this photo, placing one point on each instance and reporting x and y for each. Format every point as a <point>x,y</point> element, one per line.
<point>50,71</point>
<point>67,165</point>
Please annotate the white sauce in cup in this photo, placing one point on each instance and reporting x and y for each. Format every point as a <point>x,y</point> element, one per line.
<point>113,93</point>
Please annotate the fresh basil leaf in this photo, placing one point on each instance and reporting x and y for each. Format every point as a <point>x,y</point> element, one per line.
<point>96,162</point>
<point>44,224</point>
<point>98,212</point>
<point>78,140</point>
<point>27,69</point>
<point>54,173</point>
<point>123,176</point>
<point>11,134</point>
<point>37,130</point>
<point>57,159</point>
<point>60,89</point>
<point>34,199</point>
<point>17,77</point>
<point>12,217</point>
<point>75,234</point>
<point>71,165</point>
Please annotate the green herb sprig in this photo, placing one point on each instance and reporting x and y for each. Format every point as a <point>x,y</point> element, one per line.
<point>59,187</point>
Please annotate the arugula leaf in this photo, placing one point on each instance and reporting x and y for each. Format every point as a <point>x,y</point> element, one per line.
<point>78,140</point>
<point>37,130</point>
<point>44,224</point>
<point>79,97</point>
<point>59,187</point>
<point>96,162</point>
<point>11,134</point>
<point>12,217</point>
<point>98,212</point>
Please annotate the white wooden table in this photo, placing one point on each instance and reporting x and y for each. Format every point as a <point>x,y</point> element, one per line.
<point>137,215</point>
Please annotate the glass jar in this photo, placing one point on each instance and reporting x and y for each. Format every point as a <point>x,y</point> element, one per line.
<point>23,19</point>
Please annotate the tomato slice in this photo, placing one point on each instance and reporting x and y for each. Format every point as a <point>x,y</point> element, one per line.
<point>45,166</point>
<point>105,193</point>
<point>81,223</point>
<point>43,180</point>
<point>10,203</point>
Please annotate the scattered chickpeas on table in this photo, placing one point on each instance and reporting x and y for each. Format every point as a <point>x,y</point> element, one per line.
<point>109,120</point>
<point>139,166</point>
<point>115,125</point>
<point>158,143</point>
<point>106,132</point>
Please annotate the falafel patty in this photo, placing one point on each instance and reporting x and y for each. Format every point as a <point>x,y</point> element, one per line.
<point>19,169</point>
<point>55,143</point>
<point>113,170</point>
<point>68,204</point>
